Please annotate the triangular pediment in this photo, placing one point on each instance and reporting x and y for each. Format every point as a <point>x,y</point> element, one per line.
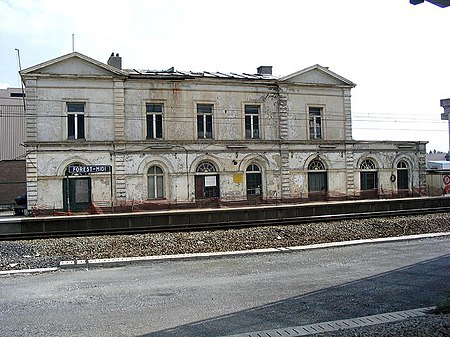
<point>73,64</point>
<point>317,75</point>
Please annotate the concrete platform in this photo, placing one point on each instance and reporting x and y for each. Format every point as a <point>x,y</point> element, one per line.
<point>217,217</point>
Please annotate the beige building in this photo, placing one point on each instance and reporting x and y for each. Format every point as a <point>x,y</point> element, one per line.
<point>98,133</point>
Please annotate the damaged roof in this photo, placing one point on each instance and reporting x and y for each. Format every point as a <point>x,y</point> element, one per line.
<point>172,73</point>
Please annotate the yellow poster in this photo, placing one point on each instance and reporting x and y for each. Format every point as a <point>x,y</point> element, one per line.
<point>238,178</point>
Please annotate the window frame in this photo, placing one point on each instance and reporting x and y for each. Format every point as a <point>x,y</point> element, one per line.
<point>158,179</point>
<point>76,120</point>
<point>205,120</point>
<point>154,121</point>
<point>250,120</point>
<point>315,122</point>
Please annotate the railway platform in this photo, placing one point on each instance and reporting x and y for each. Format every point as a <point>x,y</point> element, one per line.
<point>214,218</point>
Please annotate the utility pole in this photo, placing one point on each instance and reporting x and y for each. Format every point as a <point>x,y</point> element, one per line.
<point>445,103</point>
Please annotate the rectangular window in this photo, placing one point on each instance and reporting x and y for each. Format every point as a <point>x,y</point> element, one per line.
<point>204,121</point>
<point>252,121</point>
<point>75,120</point>
<point>315,123</point>
<point>154,116</point>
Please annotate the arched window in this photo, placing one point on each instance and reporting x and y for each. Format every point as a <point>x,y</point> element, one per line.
<point>206,167</point>
<point>206,181</point>
<point>316,165</point>
<point>253,180</point>
<point>368,164</point>
<point>369,175</point>
<point>402,175</point>
<point>155,178</point>
<point>317,176</point>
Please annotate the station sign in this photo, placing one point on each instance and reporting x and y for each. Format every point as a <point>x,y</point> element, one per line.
<point>89,169</point>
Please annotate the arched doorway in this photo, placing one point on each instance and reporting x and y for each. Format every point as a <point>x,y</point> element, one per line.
<point>317,180</point>
<point>206,181</point>
<point>368,179</point>
<point>253,180</point>
<point>402,177</point>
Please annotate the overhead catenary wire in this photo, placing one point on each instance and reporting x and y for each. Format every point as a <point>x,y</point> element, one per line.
<point>217,108</point>
<point>224,114</point>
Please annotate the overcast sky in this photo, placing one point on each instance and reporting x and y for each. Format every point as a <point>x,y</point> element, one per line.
<point>396,53</point>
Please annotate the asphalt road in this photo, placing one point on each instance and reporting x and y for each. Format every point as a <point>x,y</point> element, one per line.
<point>225,296</point>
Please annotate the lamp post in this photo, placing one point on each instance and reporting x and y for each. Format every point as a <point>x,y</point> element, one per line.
<point>445,103</point>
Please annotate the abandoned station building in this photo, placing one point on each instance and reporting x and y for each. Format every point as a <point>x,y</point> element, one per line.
<point>97,133</point>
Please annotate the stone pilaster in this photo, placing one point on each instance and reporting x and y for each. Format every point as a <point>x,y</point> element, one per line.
<point>348,114</point>
<point>284,148</point>
<point>32,177</point>
<point>119,110</point>
<point>350,168</point>
<point>283,113</point>
<point>120,177</point>
<point>31,117</point>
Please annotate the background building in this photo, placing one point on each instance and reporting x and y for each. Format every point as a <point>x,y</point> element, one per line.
<point>156,138</point>
<point>12,153</point>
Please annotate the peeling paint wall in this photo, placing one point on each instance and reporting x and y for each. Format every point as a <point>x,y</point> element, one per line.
<point>115,127</point>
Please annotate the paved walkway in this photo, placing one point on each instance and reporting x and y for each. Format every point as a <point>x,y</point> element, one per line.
<point>304,330</point>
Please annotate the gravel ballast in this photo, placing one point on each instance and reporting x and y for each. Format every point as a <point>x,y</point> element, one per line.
<point>30,254</point>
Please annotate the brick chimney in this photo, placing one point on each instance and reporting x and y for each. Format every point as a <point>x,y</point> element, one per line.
<point>115,61</point>
<point>264,70</point>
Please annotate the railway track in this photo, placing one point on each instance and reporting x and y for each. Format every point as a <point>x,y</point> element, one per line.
<point>48,229</point>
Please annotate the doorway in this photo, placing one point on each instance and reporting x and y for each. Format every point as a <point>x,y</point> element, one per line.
<point>76,193</point>
<point>254,181</point>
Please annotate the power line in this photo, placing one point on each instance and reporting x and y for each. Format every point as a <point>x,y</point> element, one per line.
<point>218,108</point>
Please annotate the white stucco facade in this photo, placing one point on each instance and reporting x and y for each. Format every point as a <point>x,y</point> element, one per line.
<point>267,157</point>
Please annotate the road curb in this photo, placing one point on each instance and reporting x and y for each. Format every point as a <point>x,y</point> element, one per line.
<point>351,323</point>
<point>193,256</point>
<point>28,271</point>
